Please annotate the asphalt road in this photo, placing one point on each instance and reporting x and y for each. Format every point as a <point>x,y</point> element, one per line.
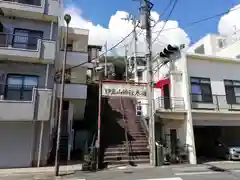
<point>167,173</point>
<point>135,176</point>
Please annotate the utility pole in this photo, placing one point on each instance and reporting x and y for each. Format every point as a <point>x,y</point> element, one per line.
<point>134,23</point>
<point>126,63</point>
<point>105,60</point>
<point>146,7</point>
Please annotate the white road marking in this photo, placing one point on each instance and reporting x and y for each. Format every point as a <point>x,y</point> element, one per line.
<point>122,167</point>
<point>75,179</point>
<point>190,168</point>
<point>196,173</point>
<point>173,178</point>
<point>235,170</point>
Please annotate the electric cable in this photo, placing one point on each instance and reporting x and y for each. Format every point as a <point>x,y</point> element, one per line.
<point>159,32</point>
<point>114,46</point>
<point>170,13</point>
<point>201,20</point>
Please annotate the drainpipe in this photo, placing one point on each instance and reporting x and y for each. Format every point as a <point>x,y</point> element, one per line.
<point>32,155</point>
<point>70,120</point>
<point>172,83</point>
<point>42,122</point>
<point>188,122</point>
<point>51,31</point>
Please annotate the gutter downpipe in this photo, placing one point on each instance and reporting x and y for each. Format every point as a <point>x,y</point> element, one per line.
<point>42,122</point>
<point>188,122</point>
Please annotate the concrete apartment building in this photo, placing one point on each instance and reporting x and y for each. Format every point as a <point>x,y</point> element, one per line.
<point>141,65</point>
<point>217,45</point>
<point>196,103</point>
<point>31,51</point>
<point>75,92</point>
<point>80,63</point>
<point>29,40</point>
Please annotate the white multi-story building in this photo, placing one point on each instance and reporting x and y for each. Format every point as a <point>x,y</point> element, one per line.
<point>200,91</point>
<point>213,44</point>
<point>141,65</point>
<point>31,51</point>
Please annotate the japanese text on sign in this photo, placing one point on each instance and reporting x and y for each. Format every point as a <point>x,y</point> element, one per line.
<point>127,90</point>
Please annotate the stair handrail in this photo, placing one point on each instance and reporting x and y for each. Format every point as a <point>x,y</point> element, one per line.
<point>91,148</point>
<point>125,129</point>
<point>144,124</point>
<point>93,140</point>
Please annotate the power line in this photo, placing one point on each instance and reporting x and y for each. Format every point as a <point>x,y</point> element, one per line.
<point>139,33</point>
<point>164,11</point>
<point>201,20</point>
<point>195,22</point>
<point>110,49</point>
<point>188,25</point>
<point>173,7</point>
<point>169,4</point>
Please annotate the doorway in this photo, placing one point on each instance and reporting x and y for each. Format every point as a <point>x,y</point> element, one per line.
<point>166,94</point>
<point>173,141</point>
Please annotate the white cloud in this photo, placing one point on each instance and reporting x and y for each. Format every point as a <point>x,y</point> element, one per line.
<point>119,28</point>
<point>229,23</point>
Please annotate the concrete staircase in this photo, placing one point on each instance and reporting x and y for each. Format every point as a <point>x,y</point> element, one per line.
<point>119,148</point>
<point>63,146</point>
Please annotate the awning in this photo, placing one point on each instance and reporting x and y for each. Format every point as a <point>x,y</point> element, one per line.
<point>161,83</point>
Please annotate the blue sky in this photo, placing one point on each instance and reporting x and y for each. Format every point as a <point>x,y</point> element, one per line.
<point>185,12</point>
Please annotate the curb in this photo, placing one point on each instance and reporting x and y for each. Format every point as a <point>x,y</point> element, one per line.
<point>36,172</point>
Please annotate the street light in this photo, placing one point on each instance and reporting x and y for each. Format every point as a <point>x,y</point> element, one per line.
<point>67,19</point>
<point>99,71</point>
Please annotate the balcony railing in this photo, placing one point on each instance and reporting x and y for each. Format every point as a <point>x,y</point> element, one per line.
<point>12,92</point>
<point>73,91</point>
<point>215,102</point>
<point>26,48</point>
<point>28,103</point>
<point>29,2</point>
<point>75,58</point>
<point>170,103</point>
<point>19,41</point>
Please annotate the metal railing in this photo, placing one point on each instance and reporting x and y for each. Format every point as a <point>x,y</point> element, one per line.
<point>92,149</point>
<point>18,41</point>
<point>171,103</point>
<point>28,2</point>
<point>125,128</point>
<point>215,102</point>
<point>144,124</point>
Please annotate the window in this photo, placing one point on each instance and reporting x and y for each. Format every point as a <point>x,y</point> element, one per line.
<point>201,90</point>
<point>69,47</point>
<point>238,56</point>
<point>232,89</point>
<point>221,43</point>
<point>200,50</point>
<point>89,55</point>
<point>19,87</point>
<point>140,75</point>
<point>26,39</point>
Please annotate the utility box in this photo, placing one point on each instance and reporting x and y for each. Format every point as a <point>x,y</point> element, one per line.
<point>159,155</point>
